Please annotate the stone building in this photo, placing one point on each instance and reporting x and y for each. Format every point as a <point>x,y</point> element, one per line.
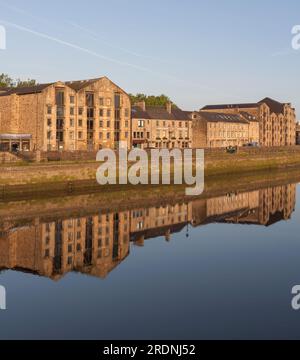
<point>277,121</point>
<point>78,115</point>
<point>298,134</point>
<point>160,127</point>
<point>217,130</point>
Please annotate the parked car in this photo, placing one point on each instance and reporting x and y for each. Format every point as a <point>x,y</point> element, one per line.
<point>251,144</point>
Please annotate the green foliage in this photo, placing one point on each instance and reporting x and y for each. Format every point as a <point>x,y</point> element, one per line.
<point>25,83</point>
<point>150,100</point>
<point>7,81</point>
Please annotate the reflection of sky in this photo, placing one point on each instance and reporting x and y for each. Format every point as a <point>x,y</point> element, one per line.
<point>229,281</point>
<point>197,52</point>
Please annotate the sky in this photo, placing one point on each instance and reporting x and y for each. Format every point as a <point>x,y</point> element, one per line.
<point>197,52</point>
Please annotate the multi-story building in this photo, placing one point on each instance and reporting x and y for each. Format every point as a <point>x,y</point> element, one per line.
<point>215,129</point>
<point>160,127</point>
<point>277,121</point>
<point>78,115</point>
<point>298,134</point>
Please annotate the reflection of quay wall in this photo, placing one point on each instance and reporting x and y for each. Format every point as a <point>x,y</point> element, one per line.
<point>97,244</point>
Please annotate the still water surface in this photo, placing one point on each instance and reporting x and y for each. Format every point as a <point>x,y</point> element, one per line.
<point>219,268</point>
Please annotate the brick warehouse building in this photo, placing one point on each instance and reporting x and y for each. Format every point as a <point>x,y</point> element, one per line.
<point>277,121</point>
<point>79,115</point>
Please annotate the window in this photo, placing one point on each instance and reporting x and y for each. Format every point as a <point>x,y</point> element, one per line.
<point>71,122</point>
<point>47,253</point>
<point>49,122</point>
<point>49,135</point>
<point>80,122</point>
<point>108,102</point>
<point>49,109</point>
<point>108,113</point>
<point>108,136</point>
<point>72,99</point>
<point>141,123</point>
<point>148,135</point>
<point>80,135</point>
<point>72,112</point>
<point>71,135</point>
<point>108,124</point>
<point>117,101</point>
<point>101,112</point>
<point>80,111</point>
<point>157,123</point>
<point>90,113</point>
<point>100,136</point>
<point>126,124</point>
<point>101,101</point>
<point>70,260</point>
<point>89,99</point>
<point>70,248</point>
<point>126,112</point>
<point>101,124</point>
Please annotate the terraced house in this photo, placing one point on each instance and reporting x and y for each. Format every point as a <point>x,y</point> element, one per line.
<point>277,121</point>
<point>164,127</point>
<point>75,115</point>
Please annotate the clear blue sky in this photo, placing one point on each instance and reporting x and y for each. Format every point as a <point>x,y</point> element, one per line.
<point>196,51</point>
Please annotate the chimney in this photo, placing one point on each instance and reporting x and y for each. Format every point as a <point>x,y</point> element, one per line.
<point>141,104</point>
<point>169,107</point>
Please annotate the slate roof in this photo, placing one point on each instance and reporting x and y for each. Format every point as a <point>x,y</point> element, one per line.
<point>222,117</point>
<point>80,84</point>
<point>231,106</point>
<point>275,106</point>
<point>26,90</point>
<point>159,113</point>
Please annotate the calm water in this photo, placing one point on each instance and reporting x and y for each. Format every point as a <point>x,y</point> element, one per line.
<point>210,269</point>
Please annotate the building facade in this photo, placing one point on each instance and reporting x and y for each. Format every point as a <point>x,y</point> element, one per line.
<point>217,130</point>
<point>79,115</point>
<point>298,134</point>
<point>277,121</point>
<point>160,127</point>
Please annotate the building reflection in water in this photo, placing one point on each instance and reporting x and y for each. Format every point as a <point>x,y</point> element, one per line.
<point>97,244</point>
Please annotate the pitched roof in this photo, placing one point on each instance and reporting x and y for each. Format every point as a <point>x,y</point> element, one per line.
<point>26,90</point>
<point>159,113</point>
<point>231,106</point>
<point>80,84</point>
<point>275,106</point>
<point>222,117</point>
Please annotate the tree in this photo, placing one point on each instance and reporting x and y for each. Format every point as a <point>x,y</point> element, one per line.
<point>7,81</point>
<point>25,83</point>
<point>151,100</point>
